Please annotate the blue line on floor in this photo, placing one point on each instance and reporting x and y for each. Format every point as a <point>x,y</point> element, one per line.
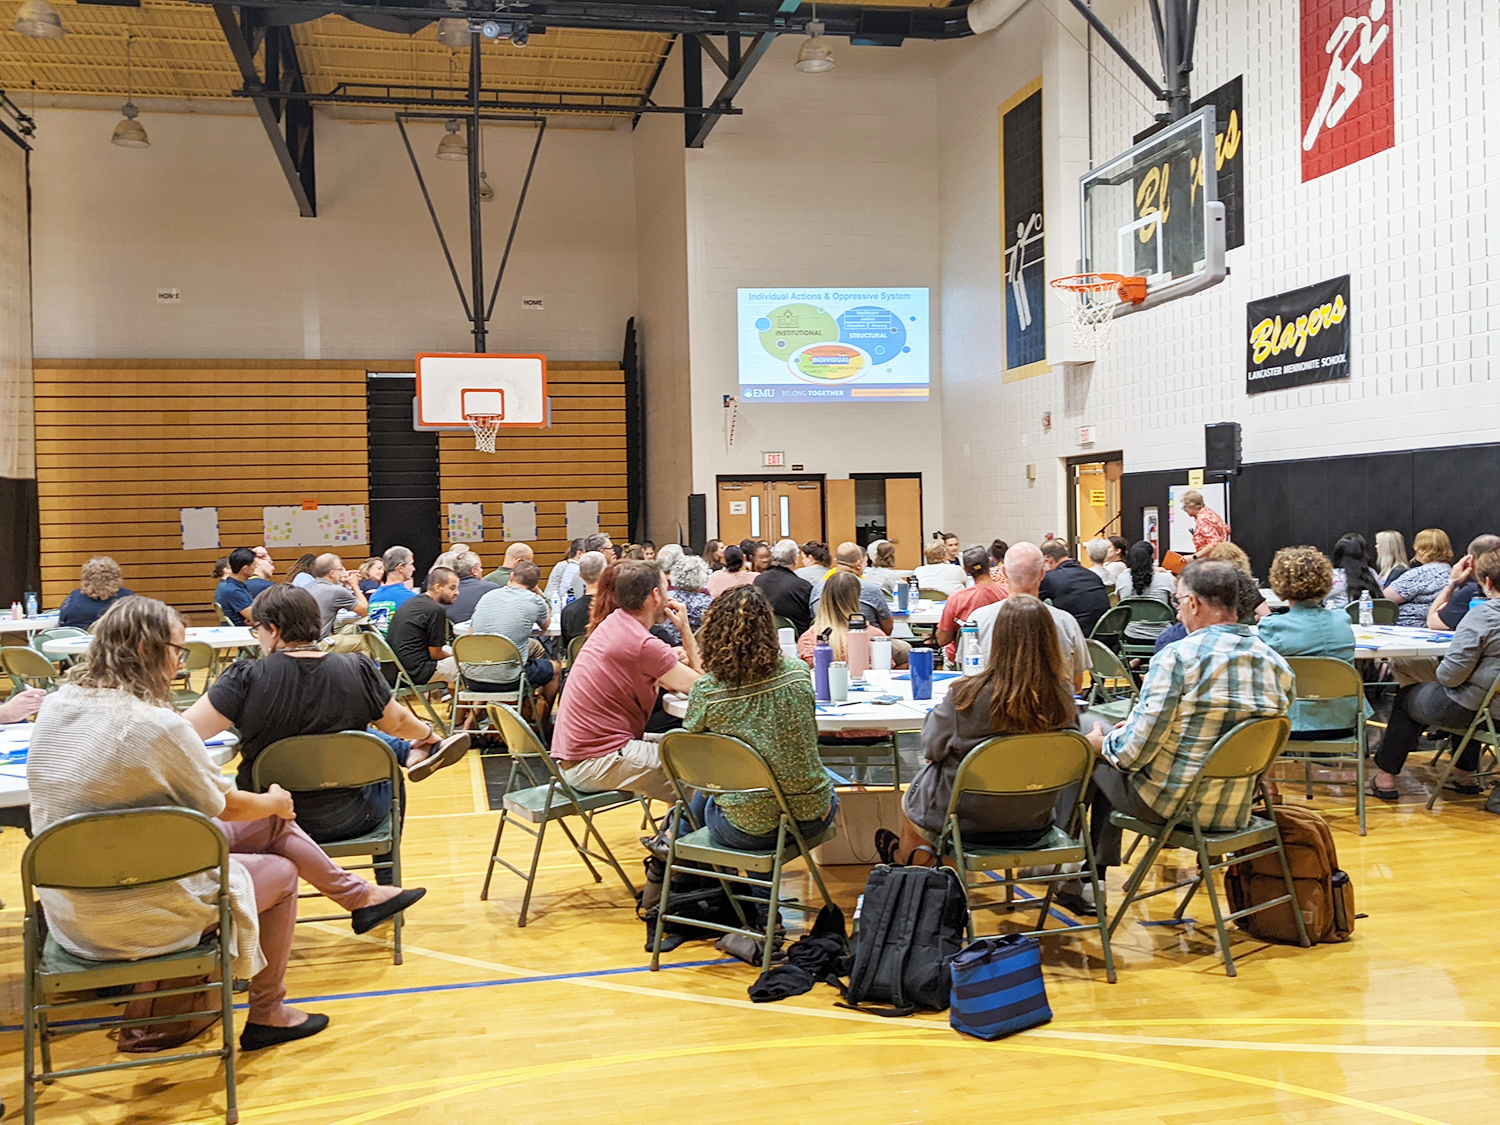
<point>418,989</point>
<point>1032,898</point>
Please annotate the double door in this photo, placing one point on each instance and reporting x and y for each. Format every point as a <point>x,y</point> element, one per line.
<point>769,509</point>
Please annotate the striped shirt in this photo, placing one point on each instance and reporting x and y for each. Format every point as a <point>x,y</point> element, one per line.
<point>509,612</point>
<point>1194,691</point>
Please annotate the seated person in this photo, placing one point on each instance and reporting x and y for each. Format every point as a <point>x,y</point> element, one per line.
<point>564,574</point>
<point>1431,570</point>
<point>1023,570</point>
<point>110,739</point>
<point>749,691</point>
<point>788,594</point>
<point>737,572</point>
<point>1193,692</point>
<point>400,567</point>
<point>221,570</point>
<point>335,590</point>
<point>298,688</point>
<point>98,589</point>
<point>936,573</point>
<point>1462,679</point>
<point>882,566</point>
<point>515,553</point>
<point>963,604</point>
<point>1454,599</point>
<point>371,575</point>
<point>1142,578</point>
<point>685,584</point>
<point>600,736</point>
<point>1352,573</point>
<point>1026,688</point>
<point>418,634</point>
<point>574,619</point>
<point>816,562</point>
<point>231,595</point>
<point>850,559</point>
<point>21,706</point>
<point>471,587</point>
<point>1252,603</point>
<point>841,600</point>
<point>301,573</point>
<point>511,611</point>
<point>265,571</point>
<point>1068,586</point>
<point>1302,577</point>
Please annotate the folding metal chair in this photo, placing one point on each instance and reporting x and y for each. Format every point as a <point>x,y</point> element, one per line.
<point>480,649</point>
<point>716,763</point>
<point>405,690</point>
<point>1112,690</point>
<point>201,657</point>
<point>1028,764</point>
<point>1147,611</point>
<point>351,759</point>
<point>1323,679</point>
<point>1385,612</point>
<point>1109,630</point>
<point>540,805</point>
<point>1246,751</point>
<point>63,633</point>
<point>27,668</point>
<point>121,851</point>
<point>1481,730</point>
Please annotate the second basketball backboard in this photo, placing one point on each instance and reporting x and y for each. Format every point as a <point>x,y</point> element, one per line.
<point>451,389</point>
<point>1154,212</point>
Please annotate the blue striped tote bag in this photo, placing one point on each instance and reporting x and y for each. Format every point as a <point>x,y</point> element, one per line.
<point>998,988</point>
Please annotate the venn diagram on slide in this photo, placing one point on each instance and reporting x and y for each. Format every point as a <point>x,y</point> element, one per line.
<point>820,348</point>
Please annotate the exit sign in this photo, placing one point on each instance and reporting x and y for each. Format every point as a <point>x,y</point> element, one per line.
<point>772,460</point>
<point>1085,435</point>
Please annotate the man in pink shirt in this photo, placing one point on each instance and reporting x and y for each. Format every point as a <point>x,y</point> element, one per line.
<point>611,689</point>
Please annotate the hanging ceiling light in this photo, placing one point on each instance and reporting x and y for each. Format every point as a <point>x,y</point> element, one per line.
<point>37,19</point>
<point>814,57</point>
<point>130,133</point>
<point>486,193</point>
<point>453,146</point>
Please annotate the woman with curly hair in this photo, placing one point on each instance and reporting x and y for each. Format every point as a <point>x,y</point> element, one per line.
<point>753,693</point>
<point>98,589</point>
<point>1302,577</point>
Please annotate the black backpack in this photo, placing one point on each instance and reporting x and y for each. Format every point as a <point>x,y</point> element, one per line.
<point>911,925</point>
<point>692,896</point>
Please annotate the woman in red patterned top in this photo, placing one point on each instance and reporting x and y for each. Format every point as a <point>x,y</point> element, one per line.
<point>1208,526</point>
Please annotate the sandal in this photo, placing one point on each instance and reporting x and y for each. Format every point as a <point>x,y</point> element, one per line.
<point>886,843</point>
<point>1383,794</point>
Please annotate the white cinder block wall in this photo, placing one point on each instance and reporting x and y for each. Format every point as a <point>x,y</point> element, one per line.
<point>206,210</point>
<point>1416,227</point>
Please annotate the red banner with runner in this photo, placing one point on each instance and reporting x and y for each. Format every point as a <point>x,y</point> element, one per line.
<point>1348,83</point>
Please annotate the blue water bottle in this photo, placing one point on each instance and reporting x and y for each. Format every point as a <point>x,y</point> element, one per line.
<point>822,660</point>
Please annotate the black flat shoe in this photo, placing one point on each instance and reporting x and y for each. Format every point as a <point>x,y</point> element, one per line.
<point>366,918</point>
<point>255,1036</point>
<point>1384,794</point>
<point>1467,788</point>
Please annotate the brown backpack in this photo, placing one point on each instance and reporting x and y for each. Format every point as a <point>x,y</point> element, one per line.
<point>1324,892</point>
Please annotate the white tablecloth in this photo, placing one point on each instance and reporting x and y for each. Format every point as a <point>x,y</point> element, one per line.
<point>28,625</point>
<point>15,740</point>
<point>219,637</point>
<point>1390,642</point>
<point>858,713</point>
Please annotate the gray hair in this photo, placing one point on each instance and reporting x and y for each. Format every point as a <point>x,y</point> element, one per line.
<point>595,542</point>
<point>466,561</point>
<point>394,557</point>
<point>590,565</point>
<point>785,553</point>
<point>1098,550</point>
<point>690,573</point>
<point>667,556</point>
<point>447,559</point>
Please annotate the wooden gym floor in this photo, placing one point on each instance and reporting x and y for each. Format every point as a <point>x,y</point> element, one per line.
<point>560,1021</point>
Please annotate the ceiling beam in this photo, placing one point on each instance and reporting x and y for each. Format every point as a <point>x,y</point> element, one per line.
<point>290,132</point>
<point>723,99</point>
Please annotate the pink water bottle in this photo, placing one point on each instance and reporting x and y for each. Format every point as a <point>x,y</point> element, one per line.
<point>859,646</point>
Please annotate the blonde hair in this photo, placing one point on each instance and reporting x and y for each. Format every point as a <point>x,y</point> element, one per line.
<point>129,651</point>
<point>935,553</point>
<point>1390,552</point>
<point>1432,545</point>
<point>100,579</point>
<point>1192,497</point>
<point>1228,552</point>
<point>368,565</point>
<point>840,599</point>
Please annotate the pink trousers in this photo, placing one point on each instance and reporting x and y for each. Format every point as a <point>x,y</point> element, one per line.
<point>276,852</point>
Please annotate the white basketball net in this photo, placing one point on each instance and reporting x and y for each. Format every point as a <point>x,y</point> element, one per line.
<point>485,427</point>
<point>1090,299</point>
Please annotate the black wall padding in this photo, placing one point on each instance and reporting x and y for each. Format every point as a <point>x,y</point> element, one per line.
<point>405,503</point>
<point>1286,503</point>
<point>21,545</point>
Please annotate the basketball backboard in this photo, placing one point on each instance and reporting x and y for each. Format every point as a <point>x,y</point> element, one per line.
<point>1154,212</point>
<point>452,388</point>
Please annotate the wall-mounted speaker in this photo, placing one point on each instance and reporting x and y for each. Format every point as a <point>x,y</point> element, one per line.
<point>1222,451</point>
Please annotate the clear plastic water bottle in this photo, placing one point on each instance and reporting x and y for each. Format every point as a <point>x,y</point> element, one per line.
<point>1366,608</point>
<point>913,592</point>
<point>31,603</point>
<point>969,656</point>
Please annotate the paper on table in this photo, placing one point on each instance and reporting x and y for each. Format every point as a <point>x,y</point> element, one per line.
<point>583,518</point>
<point>200,529</point>
<point>466,523</point>
<point>518,520</point>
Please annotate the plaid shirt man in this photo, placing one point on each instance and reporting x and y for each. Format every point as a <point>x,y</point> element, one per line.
<point>1209,528</point>
<point>1196,689</point>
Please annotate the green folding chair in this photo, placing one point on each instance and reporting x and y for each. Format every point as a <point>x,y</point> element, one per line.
<point>1109,630</point>
<point>533,809</point>
<point>1322,679</point>
<point>480,649</point>
<point>1384,613</point>
<point>121,852</point>
<point>575,646</point>
<point>716,763</point>
<point>932,595</point>
<point>1056,764</point>
<point>1146,611</point>
<point>1245,752</point>
<point>351,759</point>
<point>27,668</point>
<point>1481,730</point>
<point>201,657</point>
<point>39,639</point>
<point>786,623</point>
<point>1112,690</point>
<point>224,618</point>
<point>405,690</point>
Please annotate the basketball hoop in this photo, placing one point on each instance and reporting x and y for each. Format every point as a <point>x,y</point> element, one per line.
<point>1090,299</point>
<point>485,427</point>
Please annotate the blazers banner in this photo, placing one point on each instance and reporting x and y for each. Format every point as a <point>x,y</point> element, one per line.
<point>1299,337</point>
<point>1023,290</point>
<point>1186,179</point>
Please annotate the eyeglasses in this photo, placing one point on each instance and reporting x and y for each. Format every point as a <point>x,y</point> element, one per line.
<point>182,654</point>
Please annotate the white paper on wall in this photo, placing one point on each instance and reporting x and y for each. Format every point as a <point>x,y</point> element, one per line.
<point>465,523</point>
<point>200,529</point>
<point>583,518</point>
<point>1180,523</point>
<point>329,525</point>
<point>518,521</point>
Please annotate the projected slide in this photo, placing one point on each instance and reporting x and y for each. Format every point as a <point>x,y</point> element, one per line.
<point>833,345</point>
